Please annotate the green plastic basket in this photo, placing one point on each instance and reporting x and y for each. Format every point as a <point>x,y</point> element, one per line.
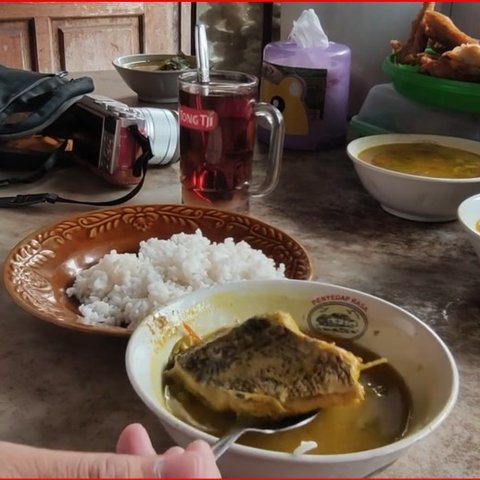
<point>440,92</point>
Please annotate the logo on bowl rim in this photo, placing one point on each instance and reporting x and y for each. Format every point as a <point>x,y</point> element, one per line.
<point>345,318</point>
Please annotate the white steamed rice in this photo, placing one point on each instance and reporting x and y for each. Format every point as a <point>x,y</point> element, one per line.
<point>122,288</point>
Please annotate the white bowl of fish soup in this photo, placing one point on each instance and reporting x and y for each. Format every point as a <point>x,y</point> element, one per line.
<point>418,177</point>
<point>152,76</point>
<point>469,217</point>
<point>406,399</point>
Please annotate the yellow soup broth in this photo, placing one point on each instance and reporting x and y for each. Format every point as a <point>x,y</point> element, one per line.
<point>380,419</point>
<point>156,65</point>
<point>425,159</point>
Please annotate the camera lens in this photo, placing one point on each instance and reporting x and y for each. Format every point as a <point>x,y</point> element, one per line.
<point>161,126</point>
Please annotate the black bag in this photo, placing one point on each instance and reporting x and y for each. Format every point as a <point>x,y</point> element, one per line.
<point>29,103</point>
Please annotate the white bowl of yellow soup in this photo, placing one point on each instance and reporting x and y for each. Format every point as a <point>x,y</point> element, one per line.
<point>418,177</point>
<point>469,217</point>
<point>406,399</point>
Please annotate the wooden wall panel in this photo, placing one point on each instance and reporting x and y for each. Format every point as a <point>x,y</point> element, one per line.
<point>161,27</point>
<point>15,44</point>
<point>88,36</point>
<point>92,43</point>
<point>186,13</point>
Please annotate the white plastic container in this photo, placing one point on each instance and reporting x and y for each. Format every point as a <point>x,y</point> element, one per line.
<point>386,111</point>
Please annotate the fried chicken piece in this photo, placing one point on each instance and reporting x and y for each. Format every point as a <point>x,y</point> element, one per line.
<point>417,40</point>
<point>437,67</point>
<point>440,29</point>
<point>455,54</point>
<point>466,57</point>
<point>461,63</point>
<point>437,47</point>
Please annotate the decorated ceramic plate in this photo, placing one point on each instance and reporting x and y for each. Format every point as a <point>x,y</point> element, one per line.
<point>41,267</point>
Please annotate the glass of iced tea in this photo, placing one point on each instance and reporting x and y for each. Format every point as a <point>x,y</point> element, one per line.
<point>217,140</point>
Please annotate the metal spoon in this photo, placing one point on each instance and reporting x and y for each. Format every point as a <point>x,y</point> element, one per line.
<point>201,47</point>
<point>260,425</point>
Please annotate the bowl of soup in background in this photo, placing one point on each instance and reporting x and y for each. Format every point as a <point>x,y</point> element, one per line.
<point>146,75</point>
<point>469,217</point>
<point>346,316</point>
<point>418,177</point>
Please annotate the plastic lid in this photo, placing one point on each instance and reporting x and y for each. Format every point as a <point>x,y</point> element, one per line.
<point>365,129</point>
<point>445,93</point>
<point>386,110</point>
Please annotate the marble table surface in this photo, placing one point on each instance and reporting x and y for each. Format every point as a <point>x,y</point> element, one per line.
<point>64,389</point>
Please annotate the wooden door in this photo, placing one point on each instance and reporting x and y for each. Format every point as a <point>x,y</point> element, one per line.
<point>50,37</point>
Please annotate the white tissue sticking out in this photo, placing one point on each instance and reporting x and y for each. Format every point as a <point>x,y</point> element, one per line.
<point>307,31</point>
<point>304,447</point>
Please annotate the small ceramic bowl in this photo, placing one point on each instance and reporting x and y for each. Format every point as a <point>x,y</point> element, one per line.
<point>414,197</point>
<point>410,346</point>
<point>153,86</point>
<point>469,217</point>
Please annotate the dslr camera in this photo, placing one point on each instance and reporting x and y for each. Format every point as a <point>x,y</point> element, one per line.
<point>101,140</point>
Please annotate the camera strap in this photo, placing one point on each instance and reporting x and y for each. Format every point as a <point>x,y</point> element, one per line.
<point>21,200</point>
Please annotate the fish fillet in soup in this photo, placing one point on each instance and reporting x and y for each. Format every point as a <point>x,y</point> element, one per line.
<point>266,366</point>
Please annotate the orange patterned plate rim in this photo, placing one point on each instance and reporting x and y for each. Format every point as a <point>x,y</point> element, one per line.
<point>31,266</point>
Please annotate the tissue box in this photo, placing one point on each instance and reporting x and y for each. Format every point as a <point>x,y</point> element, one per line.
<point>386,111</point>
<point>310,87</point>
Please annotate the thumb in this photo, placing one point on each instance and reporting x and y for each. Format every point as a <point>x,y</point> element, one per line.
<point>19,461</point>
<point>36,462</point>
<point>134,440</point>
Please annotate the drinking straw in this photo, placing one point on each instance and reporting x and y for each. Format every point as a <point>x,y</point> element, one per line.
<point>201,47</point>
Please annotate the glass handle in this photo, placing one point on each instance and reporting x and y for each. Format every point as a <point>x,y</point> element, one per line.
<point>275,153</point>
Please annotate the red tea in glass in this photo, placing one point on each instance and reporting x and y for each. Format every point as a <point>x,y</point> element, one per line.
<point>217,138</point>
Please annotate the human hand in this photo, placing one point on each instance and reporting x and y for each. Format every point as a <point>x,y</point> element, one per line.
<point>134,457</point>
<point>195,461</point>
